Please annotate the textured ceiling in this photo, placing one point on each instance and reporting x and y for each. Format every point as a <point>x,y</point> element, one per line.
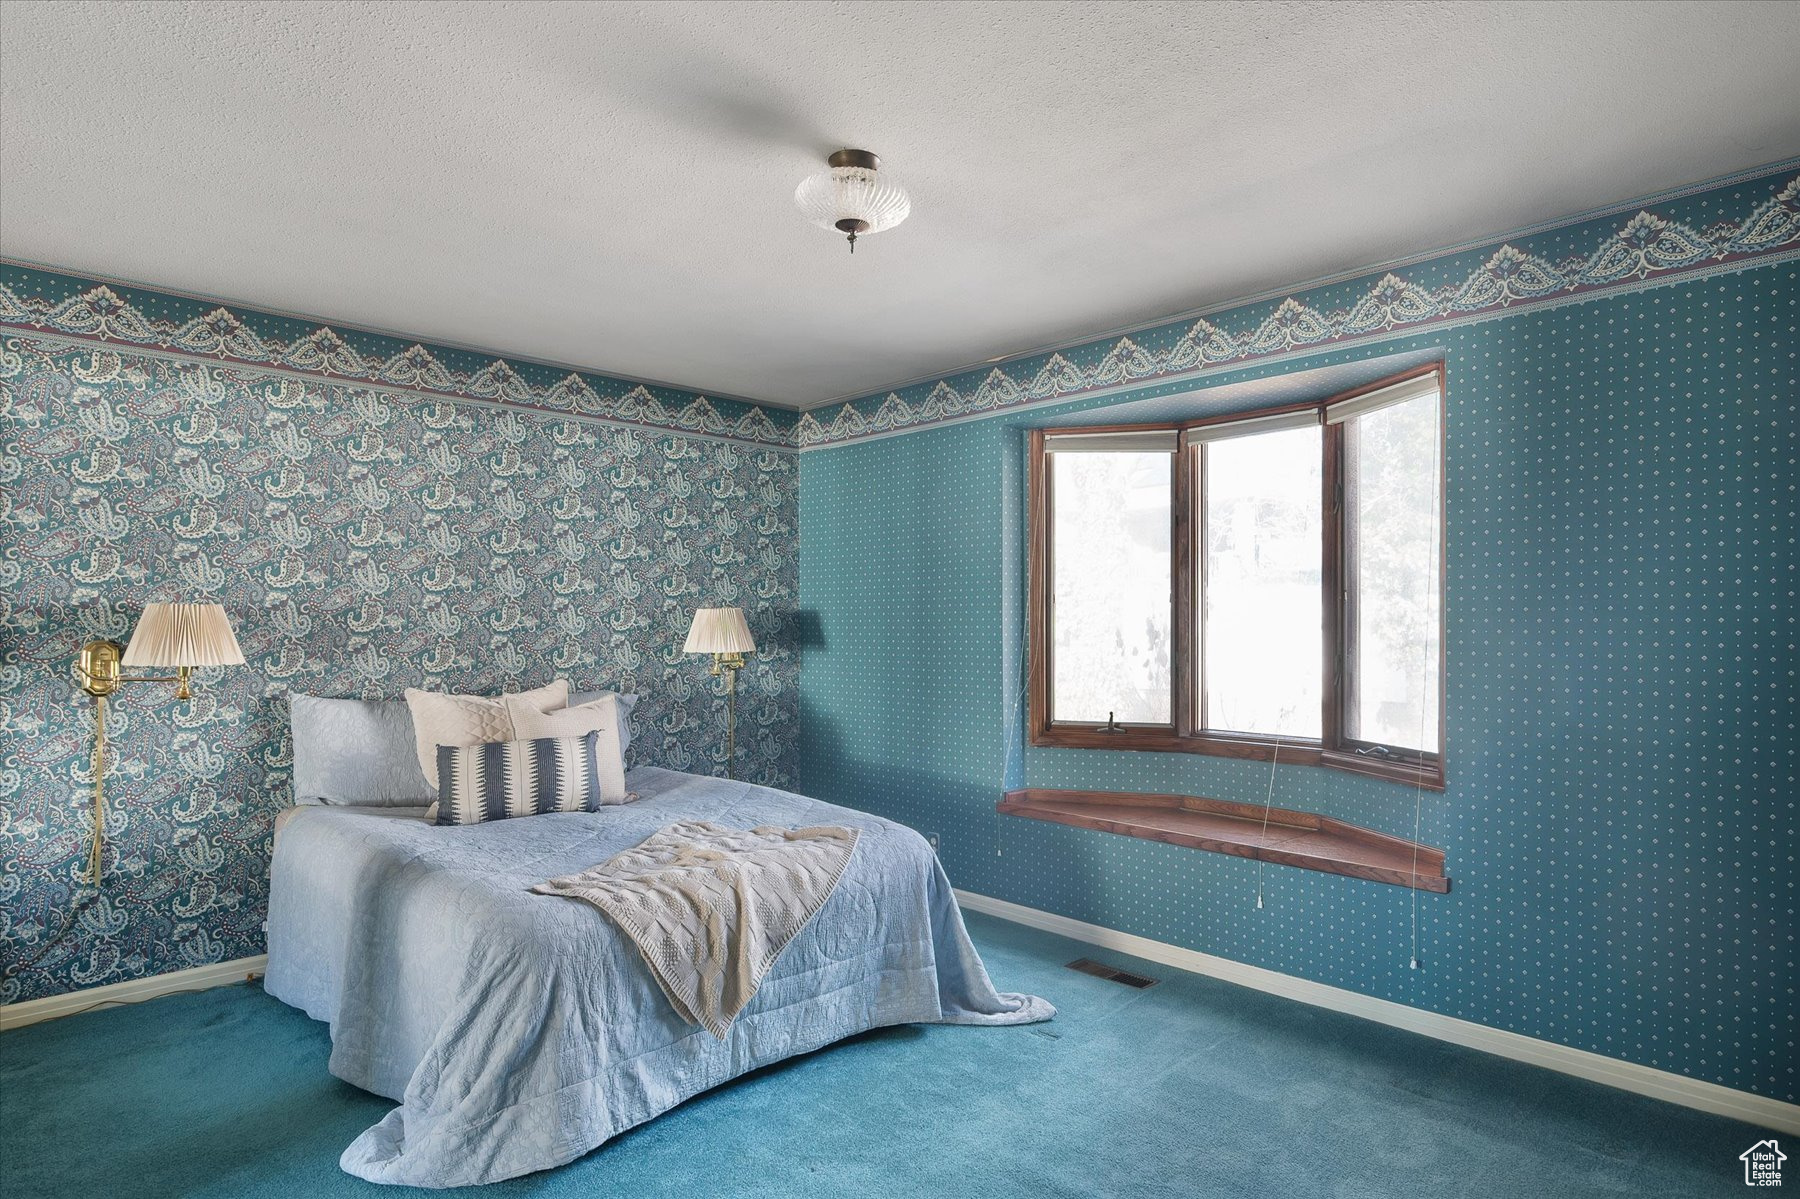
<point>609,186</point>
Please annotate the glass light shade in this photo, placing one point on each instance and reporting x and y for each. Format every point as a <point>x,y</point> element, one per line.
<point>853,193</point>
<point>719,631</point>
<point>183,635</point>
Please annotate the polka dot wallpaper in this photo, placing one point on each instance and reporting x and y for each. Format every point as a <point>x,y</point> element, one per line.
<point>1620,815</point>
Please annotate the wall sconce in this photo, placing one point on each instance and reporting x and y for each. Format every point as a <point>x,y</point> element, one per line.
<point>182,636</point>
<point>723,633</point>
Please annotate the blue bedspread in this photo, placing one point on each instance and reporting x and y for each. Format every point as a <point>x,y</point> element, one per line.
<point>519,1031</point>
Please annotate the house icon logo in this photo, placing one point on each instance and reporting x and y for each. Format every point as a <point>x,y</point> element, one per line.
<point>1762,1164</point>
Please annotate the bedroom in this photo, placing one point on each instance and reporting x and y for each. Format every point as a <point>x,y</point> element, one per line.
<point>603,598</point>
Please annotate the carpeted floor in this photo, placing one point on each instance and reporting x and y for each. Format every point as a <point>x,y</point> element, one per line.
<point>1193,1087</point>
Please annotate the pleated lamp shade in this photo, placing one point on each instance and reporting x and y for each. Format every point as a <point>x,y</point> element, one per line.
<point>719,631</point>
<point>183,635</point>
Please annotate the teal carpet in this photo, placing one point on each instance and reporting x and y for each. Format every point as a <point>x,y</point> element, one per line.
<point>1193,1087</point>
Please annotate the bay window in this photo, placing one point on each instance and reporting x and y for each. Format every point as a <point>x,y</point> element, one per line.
<point>1265,583</point>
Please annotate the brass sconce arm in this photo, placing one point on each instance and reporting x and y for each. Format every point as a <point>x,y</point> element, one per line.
<point>97,670</point>
<point>724,662</point>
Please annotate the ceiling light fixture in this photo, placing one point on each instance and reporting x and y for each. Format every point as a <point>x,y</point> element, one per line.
<point>853,196</point>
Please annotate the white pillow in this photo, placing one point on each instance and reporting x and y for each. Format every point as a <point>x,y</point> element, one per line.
<point>530,721</point>
<point>440,719</point>
<point>626,704</point>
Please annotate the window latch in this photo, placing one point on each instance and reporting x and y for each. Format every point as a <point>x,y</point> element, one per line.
<point>1112,725</point>
<point>1375,751</point>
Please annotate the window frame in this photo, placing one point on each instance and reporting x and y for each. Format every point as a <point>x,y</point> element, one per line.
<point>1182,734</point>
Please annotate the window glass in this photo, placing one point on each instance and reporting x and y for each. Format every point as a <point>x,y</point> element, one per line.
<point>1392,594</point>
<point>1260,578</point>
<point>1110,586</point>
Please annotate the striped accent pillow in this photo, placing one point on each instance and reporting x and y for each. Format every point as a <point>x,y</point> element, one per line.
<point>502,779</point>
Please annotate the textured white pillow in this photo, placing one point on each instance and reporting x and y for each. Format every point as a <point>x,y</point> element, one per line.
<point>529,720</point>
<point>440,719</point>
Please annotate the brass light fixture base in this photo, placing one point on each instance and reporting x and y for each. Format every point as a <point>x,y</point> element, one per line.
<point>98,672</point>
<point>729,665</point>
<point>855,158</point>
<point>97,667</point>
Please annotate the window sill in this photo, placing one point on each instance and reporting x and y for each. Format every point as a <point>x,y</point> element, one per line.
<point>1281,837</point>
<point>1156,739</point>
<point>1430,776</point>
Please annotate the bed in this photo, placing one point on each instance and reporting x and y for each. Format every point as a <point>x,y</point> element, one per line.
<point>520,1031</point>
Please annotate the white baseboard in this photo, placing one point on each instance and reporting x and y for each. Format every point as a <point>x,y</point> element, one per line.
<point>1628,1076</point>
<point>218,974</point>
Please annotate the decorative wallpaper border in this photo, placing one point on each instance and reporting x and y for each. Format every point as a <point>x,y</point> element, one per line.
<point>1729,227</point>
<point>1750,220</point>
<point>89,310</point>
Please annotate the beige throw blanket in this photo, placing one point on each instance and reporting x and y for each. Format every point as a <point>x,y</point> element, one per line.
<point>711,908</point>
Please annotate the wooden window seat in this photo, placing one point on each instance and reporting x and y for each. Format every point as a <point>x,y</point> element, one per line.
<point>1283,837</point>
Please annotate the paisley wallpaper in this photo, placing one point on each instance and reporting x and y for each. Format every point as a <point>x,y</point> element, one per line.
<point>365,536</point>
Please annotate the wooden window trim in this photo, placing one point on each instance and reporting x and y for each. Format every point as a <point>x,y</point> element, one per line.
<point>1181,735</point>
<point>1340,751</point>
